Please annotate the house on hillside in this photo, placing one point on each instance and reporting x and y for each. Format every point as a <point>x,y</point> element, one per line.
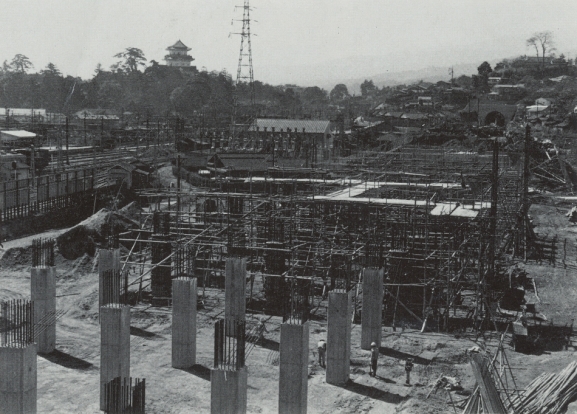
<point>544,101</point>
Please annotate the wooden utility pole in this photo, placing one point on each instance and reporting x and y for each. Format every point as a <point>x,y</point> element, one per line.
<point>67,137</point>
<point>525,193</point>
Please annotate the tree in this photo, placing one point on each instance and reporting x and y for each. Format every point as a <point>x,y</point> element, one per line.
<point>367,88</point>
<point>543,41</point>
<point>314,94</point>
<point>132,59</point>
<point>21,63</point>
<point>339,92</point>
<point>484,69</point>
<point>51,70</point>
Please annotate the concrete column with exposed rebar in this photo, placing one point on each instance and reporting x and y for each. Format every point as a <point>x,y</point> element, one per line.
<point>339,336</point>
<point>184,302</point>
<point>372,313</point>
<point>228,391</point>
<point>108,260</point>
<point>114,345</point>
<point>18,379</point>
<point>294,368</point>
<point>43,294</point>
<point>235,286</point>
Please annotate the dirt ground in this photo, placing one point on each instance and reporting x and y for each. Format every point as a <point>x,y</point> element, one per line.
<point>68,379</point>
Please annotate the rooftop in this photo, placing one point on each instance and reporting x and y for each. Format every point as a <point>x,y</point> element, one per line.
<point>178,45</point>
<point>309,126</point>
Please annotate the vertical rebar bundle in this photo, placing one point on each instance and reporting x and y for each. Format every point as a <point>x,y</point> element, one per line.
<point>111,236</point>
<point>298,311</point>
<point>125,396</point>
<point>229,344</point>
<point>161,222</point>
<point>16,323</point>
<point>43,252</point>
<point>183,261</point>
<point>113,290</point>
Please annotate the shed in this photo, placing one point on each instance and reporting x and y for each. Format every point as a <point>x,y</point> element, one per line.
<point>122,173</point>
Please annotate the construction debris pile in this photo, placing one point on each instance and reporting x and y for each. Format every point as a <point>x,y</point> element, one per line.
<point>549,393</point>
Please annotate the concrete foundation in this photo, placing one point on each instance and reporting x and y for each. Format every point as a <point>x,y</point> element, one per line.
<point>228,391</point>
<point>184,302</point>
<point>339,337</point>
<point>43,294</point>
<point>108,259</point>
<point>114,345</point>
<point>372,314</point>
<point>235,286</point>
<point>18,379</point>
<point>294,368</point>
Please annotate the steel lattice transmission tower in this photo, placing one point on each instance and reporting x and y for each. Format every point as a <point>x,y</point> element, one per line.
<point>244,75</point>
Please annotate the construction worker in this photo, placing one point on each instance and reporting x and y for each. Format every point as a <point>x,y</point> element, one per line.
<point>374,359</point>
<point>408,369</point>
<point>322,348</point>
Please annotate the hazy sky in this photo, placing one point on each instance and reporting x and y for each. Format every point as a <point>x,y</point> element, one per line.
<point>297,41</point>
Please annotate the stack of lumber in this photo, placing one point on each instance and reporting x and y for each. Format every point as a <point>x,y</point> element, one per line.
<point>548,393</point>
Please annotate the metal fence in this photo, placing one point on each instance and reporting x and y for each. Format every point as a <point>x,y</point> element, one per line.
<point>21,198</point>
<point>125,396</point>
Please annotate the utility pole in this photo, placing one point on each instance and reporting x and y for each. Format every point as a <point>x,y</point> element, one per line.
<point>525,194</point>
<point>244,73</point>
<point>67,137</point>
<point>451,72</point>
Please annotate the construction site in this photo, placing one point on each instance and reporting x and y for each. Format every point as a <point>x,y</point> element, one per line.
<point>217,295</point>
<point>284,265</point>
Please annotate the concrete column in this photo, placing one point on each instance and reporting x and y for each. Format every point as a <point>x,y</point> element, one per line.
<point>108,259</point>
<point>228,391</point>
<point>234,289</point>
<point>339,336</point>
<point>294,368</point>
<point>184,302</point>
<point>372,314</point>
<point>18,379</point>
<point>43,294</point>
<point>114,344</point>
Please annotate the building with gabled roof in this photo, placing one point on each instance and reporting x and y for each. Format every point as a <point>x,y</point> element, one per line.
<point>178,55</point>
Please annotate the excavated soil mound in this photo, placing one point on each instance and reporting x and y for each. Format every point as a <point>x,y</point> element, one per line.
<point>87,235</point>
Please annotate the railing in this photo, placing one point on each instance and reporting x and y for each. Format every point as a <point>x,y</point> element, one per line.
<point>21,198</point>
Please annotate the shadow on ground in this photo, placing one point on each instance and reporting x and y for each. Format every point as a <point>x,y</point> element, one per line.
<point>66,360</point>
<point>199,370</point>
<point>393,353</point>
<point>142,333</point>
<point>268,344</point>
<point>372,392</point>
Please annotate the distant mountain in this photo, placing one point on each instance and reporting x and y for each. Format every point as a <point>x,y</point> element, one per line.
<point>429,74</point>
<point>327,74</point>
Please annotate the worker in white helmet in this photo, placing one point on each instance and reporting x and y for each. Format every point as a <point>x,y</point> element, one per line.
<point>322,348</point>
<point>374,359</point>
